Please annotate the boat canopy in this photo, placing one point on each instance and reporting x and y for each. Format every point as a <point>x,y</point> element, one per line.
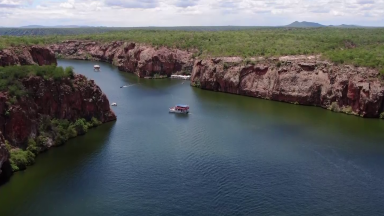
<point>96,66</point>
<point>182,105</point>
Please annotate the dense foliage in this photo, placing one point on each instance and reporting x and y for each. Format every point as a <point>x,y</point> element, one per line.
<point>52,132</point>
<point>359,46</point>
<point>10,77</point>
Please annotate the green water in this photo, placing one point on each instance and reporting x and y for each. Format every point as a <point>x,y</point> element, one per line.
<point>232,155</point>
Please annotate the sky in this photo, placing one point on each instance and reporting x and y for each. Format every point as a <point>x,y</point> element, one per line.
<point>135,13</point>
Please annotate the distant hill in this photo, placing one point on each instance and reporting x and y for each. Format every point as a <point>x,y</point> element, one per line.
<point>347,26</point>
<point>304,24</point>
<point>57,26</point>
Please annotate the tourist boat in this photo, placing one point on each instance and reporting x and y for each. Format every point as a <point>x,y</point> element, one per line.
<point>114,104</point>
<point>179,108</point>
<point>96,68</point>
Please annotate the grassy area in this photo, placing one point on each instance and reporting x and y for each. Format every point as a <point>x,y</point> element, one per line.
<point>360,46</point>
<point>10,77</point>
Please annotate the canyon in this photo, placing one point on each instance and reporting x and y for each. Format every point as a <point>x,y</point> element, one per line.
<point>305,80</point>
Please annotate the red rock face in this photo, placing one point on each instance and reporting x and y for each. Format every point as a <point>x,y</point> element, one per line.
<point>27,56</point>
<point>69,99</point>
<point>130,57</point>
<point>66,99</point>
<point>303,80</point>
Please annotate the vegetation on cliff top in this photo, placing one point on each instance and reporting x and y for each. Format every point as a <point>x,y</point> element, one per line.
<point>52,132</point>
<point>10,77</point>
<point>359,46</point>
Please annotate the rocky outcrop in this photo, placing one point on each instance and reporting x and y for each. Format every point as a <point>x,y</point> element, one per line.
<point>27,56</point>
<point>144,61</point>
<point>69,99</point>
<point>305,80</point>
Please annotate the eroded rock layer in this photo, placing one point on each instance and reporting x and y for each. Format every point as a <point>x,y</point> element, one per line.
<point>144,61</point>
<point>305,80</point>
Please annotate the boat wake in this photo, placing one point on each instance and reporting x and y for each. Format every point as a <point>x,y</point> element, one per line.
<point>126,86</point>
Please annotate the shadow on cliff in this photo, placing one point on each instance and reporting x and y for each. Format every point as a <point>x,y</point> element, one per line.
<point>6,173</point>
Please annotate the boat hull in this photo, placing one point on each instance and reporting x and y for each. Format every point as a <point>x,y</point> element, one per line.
<point>171,110</point>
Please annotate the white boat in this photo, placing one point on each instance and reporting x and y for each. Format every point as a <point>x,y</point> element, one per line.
<point>179,108</point>
<point>96,68</point>
<point>114,104</point>
<point>184,77</point>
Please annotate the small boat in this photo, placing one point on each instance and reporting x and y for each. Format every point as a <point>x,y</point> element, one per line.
<point>123,86</point>
<point>114,104</point>
<point>96,68</point>
<point>179,108</point>
<point>184,77</point>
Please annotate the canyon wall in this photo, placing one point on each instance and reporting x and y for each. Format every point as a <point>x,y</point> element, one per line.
<point>70,98</point>
<point>142,60</point>
<point>27,55</point>
<point>305,80</point>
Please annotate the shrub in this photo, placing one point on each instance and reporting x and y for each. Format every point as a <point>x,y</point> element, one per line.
<point>335,107</point>
<point>72,131</point>
<point>382,72</point>
<point>32,146</point>
<point>69,72</point>
<point>196,84</point>
<point>95,122</point>
<point>81,126</point>
<point>382,115</point>
<point>19,159</point>
<point>347,109</point>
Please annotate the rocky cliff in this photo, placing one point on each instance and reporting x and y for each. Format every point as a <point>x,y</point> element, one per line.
<point>69,99</point>
<point>144,61</point>
<point>76,102</point>
<point>27,56</point>
<point>305,80</point>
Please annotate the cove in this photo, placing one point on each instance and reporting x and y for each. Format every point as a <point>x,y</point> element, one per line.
<point>232,155</point>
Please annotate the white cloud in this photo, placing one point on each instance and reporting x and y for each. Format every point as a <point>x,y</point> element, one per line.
<point>189,12</point>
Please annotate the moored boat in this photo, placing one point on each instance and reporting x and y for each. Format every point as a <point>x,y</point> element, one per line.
<point>179,108</point>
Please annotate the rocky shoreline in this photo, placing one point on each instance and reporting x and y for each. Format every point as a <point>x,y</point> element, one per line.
<point>52,111</point>
<point>305,80</point>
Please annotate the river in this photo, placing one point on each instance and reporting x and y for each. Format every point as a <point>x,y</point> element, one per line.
<point>232,155</point>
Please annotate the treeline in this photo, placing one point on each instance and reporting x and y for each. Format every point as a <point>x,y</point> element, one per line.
<point>11,76</point>
<point>359,46</point>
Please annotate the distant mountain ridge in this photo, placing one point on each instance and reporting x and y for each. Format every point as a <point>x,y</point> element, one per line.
<point>56,26</point>
<point>306,24</point>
